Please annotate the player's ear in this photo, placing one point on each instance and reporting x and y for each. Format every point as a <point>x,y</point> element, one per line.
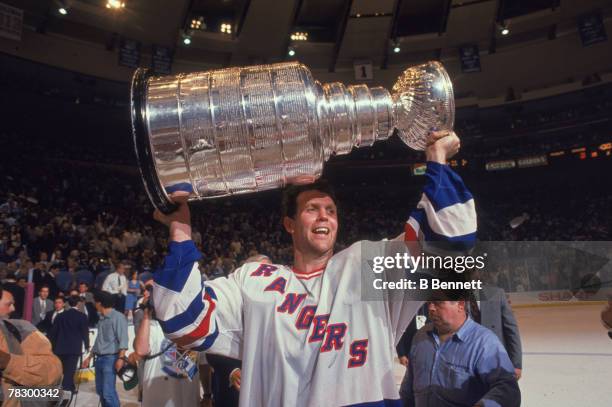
<point>289,224</point>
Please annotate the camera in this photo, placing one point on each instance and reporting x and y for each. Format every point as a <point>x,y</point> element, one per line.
<point>145,306</point>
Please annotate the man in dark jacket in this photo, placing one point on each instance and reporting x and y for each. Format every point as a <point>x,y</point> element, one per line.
<point>68,334</point>
<point>58,308</point>
<point>489,307</point>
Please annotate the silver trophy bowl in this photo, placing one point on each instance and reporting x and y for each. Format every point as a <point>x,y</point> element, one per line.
<point>240,130</point>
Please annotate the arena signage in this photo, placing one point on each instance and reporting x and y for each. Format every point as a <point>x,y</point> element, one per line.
<point>534,161</point>
<point>500,165</point>
<point>11,22</point>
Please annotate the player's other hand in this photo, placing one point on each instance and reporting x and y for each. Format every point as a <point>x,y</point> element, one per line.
<point>442,145</point>
<point>404,361</point>
<point>179,221</point>
<point>181,214</point>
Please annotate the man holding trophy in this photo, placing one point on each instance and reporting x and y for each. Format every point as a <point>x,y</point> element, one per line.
<point>303,333</point>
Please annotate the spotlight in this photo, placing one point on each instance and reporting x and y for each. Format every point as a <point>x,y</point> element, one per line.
<point>291,52</point>
<point>115,4</point>
<point>63,11</point>
<point>299,36</point>
<point>186,40</point>
<point>397,49</point>
<point>197,23</point>
<point>504,29</point>
<point>226,28</point>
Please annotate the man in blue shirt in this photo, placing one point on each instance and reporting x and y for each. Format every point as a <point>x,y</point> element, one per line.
<point>109,348</point>
<point>456,362</point>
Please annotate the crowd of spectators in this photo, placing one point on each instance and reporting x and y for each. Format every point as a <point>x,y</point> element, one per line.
<point>82,220</point>
<point>67,223</point>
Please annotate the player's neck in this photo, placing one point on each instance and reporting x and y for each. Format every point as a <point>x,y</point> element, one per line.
<point>308,263</point>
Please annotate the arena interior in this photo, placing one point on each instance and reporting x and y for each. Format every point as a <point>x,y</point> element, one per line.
<point>533,94</point>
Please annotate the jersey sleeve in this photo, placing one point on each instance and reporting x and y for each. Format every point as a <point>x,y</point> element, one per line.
<point>198,315</point>
<point>443,223</point>
<point>444,220</point>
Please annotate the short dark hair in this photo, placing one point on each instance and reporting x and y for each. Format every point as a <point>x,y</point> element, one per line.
<point>291,193</point>
<point>60,298</point>
<point>104,298</point>
<point>73,300</point>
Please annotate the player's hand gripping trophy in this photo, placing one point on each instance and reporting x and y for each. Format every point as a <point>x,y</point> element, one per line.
<point>240,130</point>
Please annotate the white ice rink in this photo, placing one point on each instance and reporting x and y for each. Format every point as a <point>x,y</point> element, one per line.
<point>567,359</point>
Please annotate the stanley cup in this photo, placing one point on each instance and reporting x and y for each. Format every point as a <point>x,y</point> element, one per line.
<point>239,130</point>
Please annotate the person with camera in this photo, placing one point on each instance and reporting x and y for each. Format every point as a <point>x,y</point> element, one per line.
<point>169,375</point>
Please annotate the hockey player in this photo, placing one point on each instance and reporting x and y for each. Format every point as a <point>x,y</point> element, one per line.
<point>303,332</point>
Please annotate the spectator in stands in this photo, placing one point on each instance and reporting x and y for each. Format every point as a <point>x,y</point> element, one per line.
<point>26,358</point>
<point>133,292</point>
<point>85,293</point>
<point>49,280</point>
<point>59,306</point>
<point>69,334</point>
<point>87,304</point>
<point>109,348</point>
<point>116,284</point>
<point>41,305</point>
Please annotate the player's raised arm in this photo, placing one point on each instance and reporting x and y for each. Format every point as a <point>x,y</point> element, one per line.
<point>445,217</point>
<point>192,314</point>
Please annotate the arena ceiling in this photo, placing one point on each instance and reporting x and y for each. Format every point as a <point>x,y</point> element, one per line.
<point>339,31</point>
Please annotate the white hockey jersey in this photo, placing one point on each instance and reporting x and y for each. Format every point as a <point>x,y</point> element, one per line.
<point>307,339</point>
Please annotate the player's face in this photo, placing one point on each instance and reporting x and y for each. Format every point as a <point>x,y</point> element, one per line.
<point>315,227</point>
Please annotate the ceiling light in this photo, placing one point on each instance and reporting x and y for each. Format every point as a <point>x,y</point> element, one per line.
<point>291,52</point>
<point>63,11</point>
<point>397,49</point>
<point>226,28</point>
<point>197,23</point>
<point>503,28</point>
<point>299,36</point>
<point>115,4</point>
<point>186,40</point>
